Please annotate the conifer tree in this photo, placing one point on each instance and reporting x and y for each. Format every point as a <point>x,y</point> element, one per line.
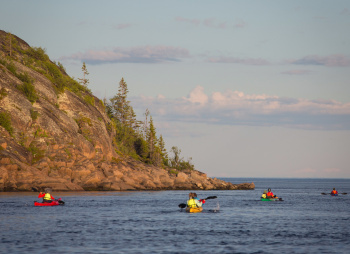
<point>154,150</point>
<point>120,104</point>
<point>163,151</point>
<point>84,81</point>
<point>10,44</point>
<point>145,125</point>
<point>151,137</point>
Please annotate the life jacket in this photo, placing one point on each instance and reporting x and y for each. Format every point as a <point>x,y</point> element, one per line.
<point>192,203</point>
<point>269,194</point>
<point>334,192</point>
<point>263,195</point>
<point>47,196</point>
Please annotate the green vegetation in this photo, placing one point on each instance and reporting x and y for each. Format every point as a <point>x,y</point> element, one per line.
<point>84,81</point>
<point>34,114</point>
<point>5,121</point>
<point>29,91</point>
<point>27,87</point>
<point>37,59</point>
<point>68,153</point>
<point>40,133</point>
<point>36,152</point>
<point>89,100</point>
<point>138,139</point>
<point>3,93</point>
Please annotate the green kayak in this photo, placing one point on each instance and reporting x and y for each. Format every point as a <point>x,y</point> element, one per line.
<point>271,199</point>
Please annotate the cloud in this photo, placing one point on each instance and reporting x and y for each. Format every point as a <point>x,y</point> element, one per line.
<point>297,72</point>
<point>247,61</point>
<point>145,54</point>
<point>237,108</point>
<point>197,96</point>
<point>212,23</point>
<point>332,60</point>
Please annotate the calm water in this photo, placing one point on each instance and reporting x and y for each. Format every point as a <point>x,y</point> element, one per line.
<point>151,222</point>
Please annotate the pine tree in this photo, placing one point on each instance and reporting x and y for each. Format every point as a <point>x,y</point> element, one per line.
<point>120,104</point>
<point>151,137</point>
<point>10,44</point>
<point>163,151</point>
<point>84,81</point>
<point>145,125</point>
<point>154,150</point>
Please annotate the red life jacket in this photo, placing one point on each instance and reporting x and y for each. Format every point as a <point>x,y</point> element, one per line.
<point>334,192</point>
<point>269,194</point>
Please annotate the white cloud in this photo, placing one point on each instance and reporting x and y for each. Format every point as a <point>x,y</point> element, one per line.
<point>143,54</point>
<point>337,60</point>
<point>197,96</point>
<point>237,108</point>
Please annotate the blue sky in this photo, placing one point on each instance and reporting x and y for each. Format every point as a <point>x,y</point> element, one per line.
<point>245,88</point>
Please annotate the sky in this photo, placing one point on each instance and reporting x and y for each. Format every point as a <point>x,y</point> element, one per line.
<point>244,88</point>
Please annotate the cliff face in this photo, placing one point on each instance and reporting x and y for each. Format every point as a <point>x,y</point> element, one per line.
<point>63,138</point>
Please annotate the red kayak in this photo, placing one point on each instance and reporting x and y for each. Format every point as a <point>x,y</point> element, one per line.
<point>53,203</point>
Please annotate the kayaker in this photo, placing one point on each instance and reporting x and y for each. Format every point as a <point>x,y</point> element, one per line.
<point>269,194</point>
<point>264,194</point>
<point>334,192</point>
<point>47,198</point>
<point>193,201</point>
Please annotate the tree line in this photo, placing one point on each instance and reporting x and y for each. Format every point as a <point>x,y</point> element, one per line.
<point>136,138</point>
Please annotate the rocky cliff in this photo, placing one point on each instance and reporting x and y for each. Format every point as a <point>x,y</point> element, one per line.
<point>55,133</point>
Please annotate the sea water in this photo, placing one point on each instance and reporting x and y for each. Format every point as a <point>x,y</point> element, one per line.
<point>152,222</point>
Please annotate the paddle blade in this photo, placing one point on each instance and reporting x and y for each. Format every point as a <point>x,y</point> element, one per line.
<point>35,189</point>
<point>211,197</point>
<point>182,205</point>
<point>60,201</point>
<point>324,193</point>
<point>344,193</point>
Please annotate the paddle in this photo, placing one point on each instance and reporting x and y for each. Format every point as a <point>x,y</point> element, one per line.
<point>344,193</point>
<point>60,201</point>
<point>182,205</point>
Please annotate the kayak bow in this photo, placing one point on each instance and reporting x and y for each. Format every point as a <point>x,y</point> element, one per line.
<point>194,210</point>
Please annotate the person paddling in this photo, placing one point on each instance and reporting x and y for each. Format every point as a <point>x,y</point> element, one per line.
<point>193,201</point>
<point>47,198</point>
<point>269,194</point>
<point>264,194</point>
<point>334,192</point>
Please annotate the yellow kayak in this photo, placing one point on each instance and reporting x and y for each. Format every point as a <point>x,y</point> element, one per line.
<point>194,210</point>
